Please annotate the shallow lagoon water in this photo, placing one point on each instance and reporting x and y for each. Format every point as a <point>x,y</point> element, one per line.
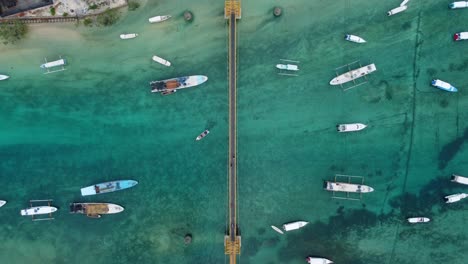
<point>97,121</point>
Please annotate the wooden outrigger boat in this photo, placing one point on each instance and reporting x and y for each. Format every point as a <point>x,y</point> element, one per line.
<point>39,210</point>
<point>107,187</point>
<point>95,210</point>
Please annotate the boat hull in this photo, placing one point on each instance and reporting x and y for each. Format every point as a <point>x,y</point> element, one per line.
<point>177,83</point>
<point>2,203</point>
<point>455,197</point>
<point>294,225</point>
<point>353,74</point>
<point>347,187</point>
<point>158,19</point>
<point>415,220</point>
<point>94,210</point>
<point>128,36</point>
<point>354,39</point>
<point>459,179</point>
<point>277,229</point>
<point>458,4</point>
<point>108,187</point>
<point>460,36</point>
<point>52,64</point>
<point>396,10</point>
<point>443,85</point>
<point>38,210</point>
<point>4,77</point>
<point>161,61</point>
<point>288,67</point>
<point>312,260</point>
<point>202,135</point>
<point>350,127</point>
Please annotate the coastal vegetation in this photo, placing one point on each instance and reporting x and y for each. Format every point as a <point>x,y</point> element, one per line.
<point>132,5</point>
<point>11,33</point>
<point>88,22</point>
<point>52,10</point>
<point>108,18</point>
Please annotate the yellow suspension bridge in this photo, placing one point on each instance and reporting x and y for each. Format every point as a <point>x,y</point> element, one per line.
<point>232,240</point>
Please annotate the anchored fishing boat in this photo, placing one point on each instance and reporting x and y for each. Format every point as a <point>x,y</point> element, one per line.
<point>158,19</point>
<point>202,135</point>
<point>313,260</point>
<point>460,36</point>
<point>95,210</point>
<point>161,61</point>
<point>347,187</point>
<point>2,203</point>
<point>459,179</point>
<point>52,66</point>
<point>443,85</point>
<point>354,38</point>
<point>458,4</point>
<point>397,10</point>
<point>288,67</point>
<point>128,36</point>
<point>415,220</point>
<point>294,225</point>
<point>177,83</point>
<point>277,229</point>
<point>455,197</point>
<point>33,211</point>
<point>108,187</point>
<point>353,74</point>
<point>350,127</point>
<point>404,2</point>
<point>3,77</point>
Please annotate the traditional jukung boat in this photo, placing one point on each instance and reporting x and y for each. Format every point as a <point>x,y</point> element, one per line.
<point>458,4</point>
<point>288,67</point>
<point>443,85</point>
<point>3,77</point>
<point>202,135</point>
<point>95,210</point>
<point>107,187</point>
<point>177,83</point>
<point>353,74</point>
<point>347,187</point>
<point>2,203</point>
<point>397,10</point>
<point>161,61</point>
<point>158,19</point>
<point>128,36</point>
<point>415,220</point>
<point>313,260</point>
<point>455,197</point>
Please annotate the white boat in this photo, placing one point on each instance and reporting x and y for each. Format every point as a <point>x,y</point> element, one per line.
<point>404,2</point>
<point>3,77</point>
<point>158,19</point>
<point>458,4</point>
<point>455,197</point>
<point>350,127</point>
<point>294,225</point>
<point>443,85</point>
<point>38,210</point>
<point>128,36</point>
<point>289,67</point>
<point>353,74</point>
<point>177,83</point>
<point>396,10</point>
<point>460,36</point>
<point>2,203</point>
<point>415,220</point>
<point>161,61</point>
<point>277,229</point>
<point>354,38</point>
<point>347,187</point>
<point>52,64</point>
<point>459,179</point>
<point>313,260</point>
<point>202,135</point>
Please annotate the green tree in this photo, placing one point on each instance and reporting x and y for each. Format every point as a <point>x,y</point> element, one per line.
<point>108,18</point>
<point>52,11</point>
<point>87,22</point>
<point>133,5</point>
<point>10,33</point>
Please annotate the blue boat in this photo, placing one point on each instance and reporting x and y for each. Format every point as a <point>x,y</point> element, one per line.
<point>443,85</point>
<point>107,187</point>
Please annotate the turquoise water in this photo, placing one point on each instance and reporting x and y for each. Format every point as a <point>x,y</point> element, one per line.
<point>97,121</point>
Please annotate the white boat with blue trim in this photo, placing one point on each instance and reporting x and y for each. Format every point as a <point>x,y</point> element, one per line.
<point>108,187</point>
<point>177,83</point>
<point>458,4</point>
<point>354,39</point>
<point>443,85</point>
<point>314,260</point>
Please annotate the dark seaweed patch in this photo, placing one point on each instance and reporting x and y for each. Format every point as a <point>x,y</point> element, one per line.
<point>449,151</point>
